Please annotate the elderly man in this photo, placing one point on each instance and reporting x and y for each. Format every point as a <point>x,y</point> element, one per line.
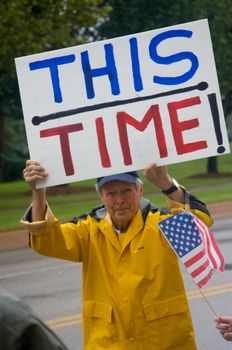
<point>133,293</point>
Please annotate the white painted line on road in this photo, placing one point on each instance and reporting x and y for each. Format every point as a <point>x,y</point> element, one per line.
<point>43,269</point>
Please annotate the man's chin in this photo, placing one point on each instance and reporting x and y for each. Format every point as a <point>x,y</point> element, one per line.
<point>122,214</point>
<point>122,219</point>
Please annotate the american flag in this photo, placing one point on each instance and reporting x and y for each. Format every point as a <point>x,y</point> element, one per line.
<point>194,244</point>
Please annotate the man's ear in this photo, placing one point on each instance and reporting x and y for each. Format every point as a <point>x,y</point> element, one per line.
<point>100,194</point>
<point>141,191</point>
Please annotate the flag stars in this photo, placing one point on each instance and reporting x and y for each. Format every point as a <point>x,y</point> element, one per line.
<point>181,234</point>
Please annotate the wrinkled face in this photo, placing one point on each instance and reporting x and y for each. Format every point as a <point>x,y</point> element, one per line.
<point>121,200</point>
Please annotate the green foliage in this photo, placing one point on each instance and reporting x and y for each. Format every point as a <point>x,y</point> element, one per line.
<point>32,26</point>
<point>16,150</point>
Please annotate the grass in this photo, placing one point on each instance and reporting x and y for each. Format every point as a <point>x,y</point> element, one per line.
<point>15,196</point>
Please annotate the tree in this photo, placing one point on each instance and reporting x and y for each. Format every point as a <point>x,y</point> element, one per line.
<point>27,27</point>
<point>131,16</point>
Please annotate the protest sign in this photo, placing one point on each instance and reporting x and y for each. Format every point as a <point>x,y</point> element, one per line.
<point>115,105</point>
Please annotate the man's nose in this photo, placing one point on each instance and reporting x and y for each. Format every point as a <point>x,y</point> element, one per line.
<point>119,198</point>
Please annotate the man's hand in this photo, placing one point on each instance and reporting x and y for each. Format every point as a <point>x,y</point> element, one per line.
<point>158,176</point>
<point>34,172</point>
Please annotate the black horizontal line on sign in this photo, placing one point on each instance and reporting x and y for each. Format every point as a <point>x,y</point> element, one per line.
<point>36,120</point>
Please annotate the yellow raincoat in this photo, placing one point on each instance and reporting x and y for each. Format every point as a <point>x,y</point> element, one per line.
<point>133,293</point>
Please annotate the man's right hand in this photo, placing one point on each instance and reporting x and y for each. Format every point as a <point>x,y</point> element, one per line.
<point>33,172</point>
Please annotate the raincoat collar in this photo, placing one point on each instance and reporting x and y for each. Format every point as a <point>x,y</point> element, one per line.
<point>136,225</point>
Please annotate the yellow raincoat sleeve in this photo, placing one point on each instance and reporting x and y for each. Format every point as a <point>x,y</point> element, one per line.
<point>51,238</point>
<point>193,205</point>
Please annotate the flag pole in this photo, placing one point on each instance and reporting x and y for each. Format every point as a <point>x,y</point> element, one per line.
<point>207,301</point>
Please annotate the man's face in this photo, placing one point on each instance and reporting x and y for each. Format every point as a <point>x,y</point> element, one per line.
<point>121,200</point>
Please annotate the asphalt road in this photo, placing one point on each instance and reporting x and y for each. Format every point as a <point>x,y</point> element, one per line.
<point>53,289</point>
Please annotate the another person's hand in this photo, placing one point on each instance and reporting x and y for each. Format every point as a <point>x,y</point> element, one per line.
<point>224,325</point>
<point>33,172</point>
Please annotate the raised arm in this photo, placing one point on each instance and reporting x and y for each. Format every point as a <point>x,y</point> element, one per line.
<point>33,172</point>
<point>159,176</point>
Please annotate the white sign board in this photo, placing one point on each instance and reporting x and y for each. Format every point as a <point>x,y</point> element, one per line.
<point>115,105</point>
